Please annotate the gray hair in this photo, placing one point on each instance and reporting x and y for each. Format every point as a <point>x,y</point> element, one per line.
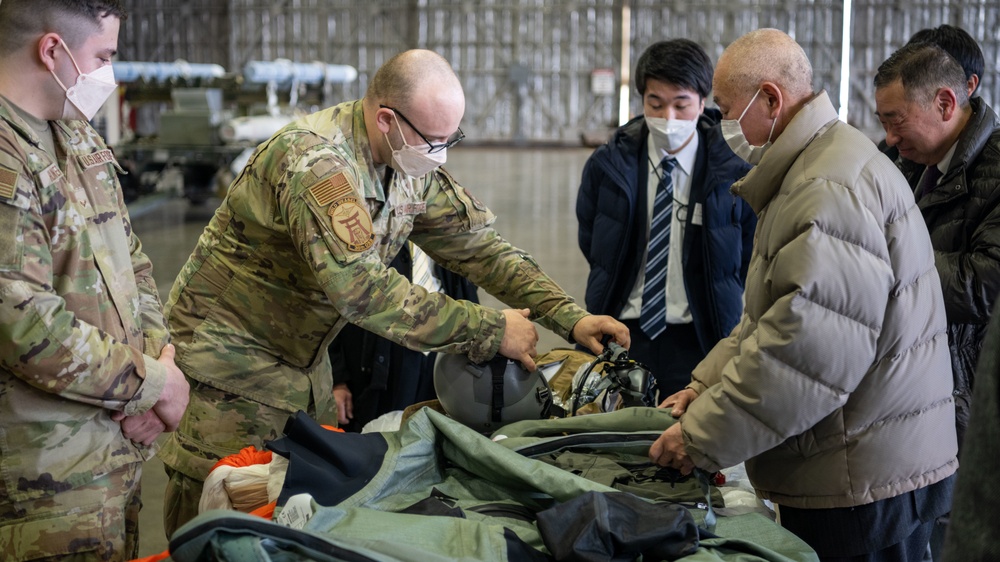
<point>767,55</point>
<point>923,69</point>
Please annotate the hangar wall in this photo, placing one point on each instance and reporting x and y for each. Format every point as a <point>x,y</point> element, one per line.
<point>528,66</point>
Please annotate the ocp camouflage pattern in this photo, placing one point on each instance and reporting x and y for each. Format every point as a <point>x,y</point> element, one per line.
<point>80,316</point>
<point>270,282</point>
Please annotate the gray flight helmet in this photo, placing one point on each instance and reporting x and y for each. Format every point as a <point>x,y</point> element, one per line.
<point>486,396</point>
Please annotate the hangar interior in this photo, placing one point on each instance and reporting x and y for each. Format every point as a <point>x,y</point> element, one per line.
<point>545,82</point>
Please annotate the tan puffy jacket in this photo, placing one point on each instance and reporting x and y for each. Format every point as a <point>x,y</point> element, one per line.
<point>836,385</point>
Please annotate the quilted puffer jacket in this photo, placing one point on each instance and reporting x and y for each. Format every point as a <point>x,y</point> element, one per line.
<point>836,386</point>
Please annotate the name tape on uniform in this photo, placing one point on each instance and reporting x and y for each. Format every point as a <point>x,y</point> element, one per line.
<point>50,175</point>
<point>8,182</point>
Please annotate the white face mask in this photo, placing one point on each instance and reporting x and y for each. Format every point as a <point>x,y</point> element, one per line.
<point>671,134</point>
<point>737,141</point>
<point>413,161</point>
<point>88,94</point>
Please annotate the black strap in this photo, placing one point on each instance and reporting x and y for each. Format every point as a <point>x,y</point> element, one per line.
<point>498,369</point>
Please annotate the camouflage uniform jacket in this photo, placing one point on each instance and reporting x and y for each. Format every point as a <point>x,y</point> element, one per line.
<point>299,248</point>
<point>80,315</point>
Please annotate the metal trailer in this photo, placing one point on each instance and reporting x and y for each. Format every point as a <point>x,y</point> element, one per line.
<point>192,122</point>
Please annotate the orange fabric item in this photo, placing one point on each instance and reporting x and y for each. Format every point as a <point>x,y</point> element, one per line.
<point>250,455</point>
<point>266,511</point>
<point>246,457</point>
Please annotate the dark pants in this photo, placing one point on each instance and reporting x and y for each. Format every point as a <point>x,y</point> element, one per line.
<point>896,529</point>
<point>911,549</point>
<point>670,357</point>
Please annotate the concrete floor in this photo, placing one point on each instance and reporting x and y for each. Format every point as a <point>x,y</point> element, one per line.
<point>532,191</point>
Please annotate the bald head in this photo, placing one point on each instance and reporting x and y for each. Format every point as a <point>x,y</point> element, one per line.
<point>414,95</point>
<point>765,55</point>
<point>411,77</point>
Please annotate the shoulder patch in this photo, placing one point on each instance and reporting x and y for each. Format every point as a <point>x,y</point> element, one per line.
<point>335,187</point>
<point>8,182</point>
<point>352,224</point>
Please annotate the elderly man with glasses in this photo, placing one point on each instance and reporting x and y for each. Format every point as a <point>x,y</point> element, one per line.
<point>298,248</point>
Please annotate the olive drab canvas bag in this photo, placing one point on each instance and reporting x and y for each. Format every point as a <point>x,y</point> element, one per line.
<point>438,490</point>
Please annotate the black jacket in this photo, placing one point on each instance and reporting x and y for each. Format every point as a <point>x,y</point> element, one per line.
<point>976,506</point>
<point>963,218</point>
<point>612,212</point>
<point>382,375</point>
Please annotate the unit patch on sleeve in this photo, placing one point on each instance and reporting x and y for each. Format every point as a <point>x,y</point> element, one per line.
<point>352,224</point>
<point>351,221</point>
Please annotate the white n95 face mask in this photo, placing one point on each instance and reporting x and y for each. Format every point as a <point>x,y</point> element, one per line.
<point>671,134</point>
<point>412,161</point>
<point>85,98</point>
<point>737,141</point>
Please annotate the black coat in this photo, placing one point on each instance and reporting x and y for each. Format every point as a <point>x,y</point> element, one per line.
<point>384,376</point>
<point>963,218</point>
<point>612,212</point>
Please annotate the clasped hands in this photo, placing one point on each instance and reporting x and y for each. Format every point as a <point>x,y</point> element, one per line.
<point>166,414</point>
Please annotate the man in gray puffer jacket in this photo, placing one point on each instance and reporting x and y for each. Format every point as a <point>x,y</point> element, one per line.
<point>951,143</point>
<point>836,386</point>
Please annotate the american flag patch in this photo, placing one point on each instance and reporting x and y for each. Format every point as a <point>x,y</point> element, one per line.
<point>8,182</point>
<point>331,189</point>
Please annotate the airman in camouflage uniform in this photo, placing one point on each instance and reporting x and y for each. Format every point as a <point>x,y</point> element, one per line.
<point>298,249</point>
<point>81,324</point>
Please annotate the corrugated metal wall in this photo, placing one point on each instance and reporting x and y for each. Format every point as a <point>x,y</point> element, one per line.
<point>526,65</point>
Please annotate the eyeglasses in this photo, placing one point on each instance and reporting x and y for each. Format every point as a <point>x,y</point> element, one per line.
<point>432,148</point>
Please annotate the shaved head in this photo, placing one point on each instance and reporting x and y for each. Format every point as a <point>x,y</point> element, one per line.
<point>765,55</point>
<point>414,95</point>
<point>417,73</point>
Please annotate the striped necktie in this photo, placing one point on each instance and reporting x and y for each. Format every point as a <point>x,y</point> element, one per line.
<point>653,317</point>
<point>423,269</point>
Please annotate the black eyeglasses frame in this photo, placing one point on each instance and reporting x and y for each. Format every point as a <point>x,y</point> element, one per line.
<point>432,148</point>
